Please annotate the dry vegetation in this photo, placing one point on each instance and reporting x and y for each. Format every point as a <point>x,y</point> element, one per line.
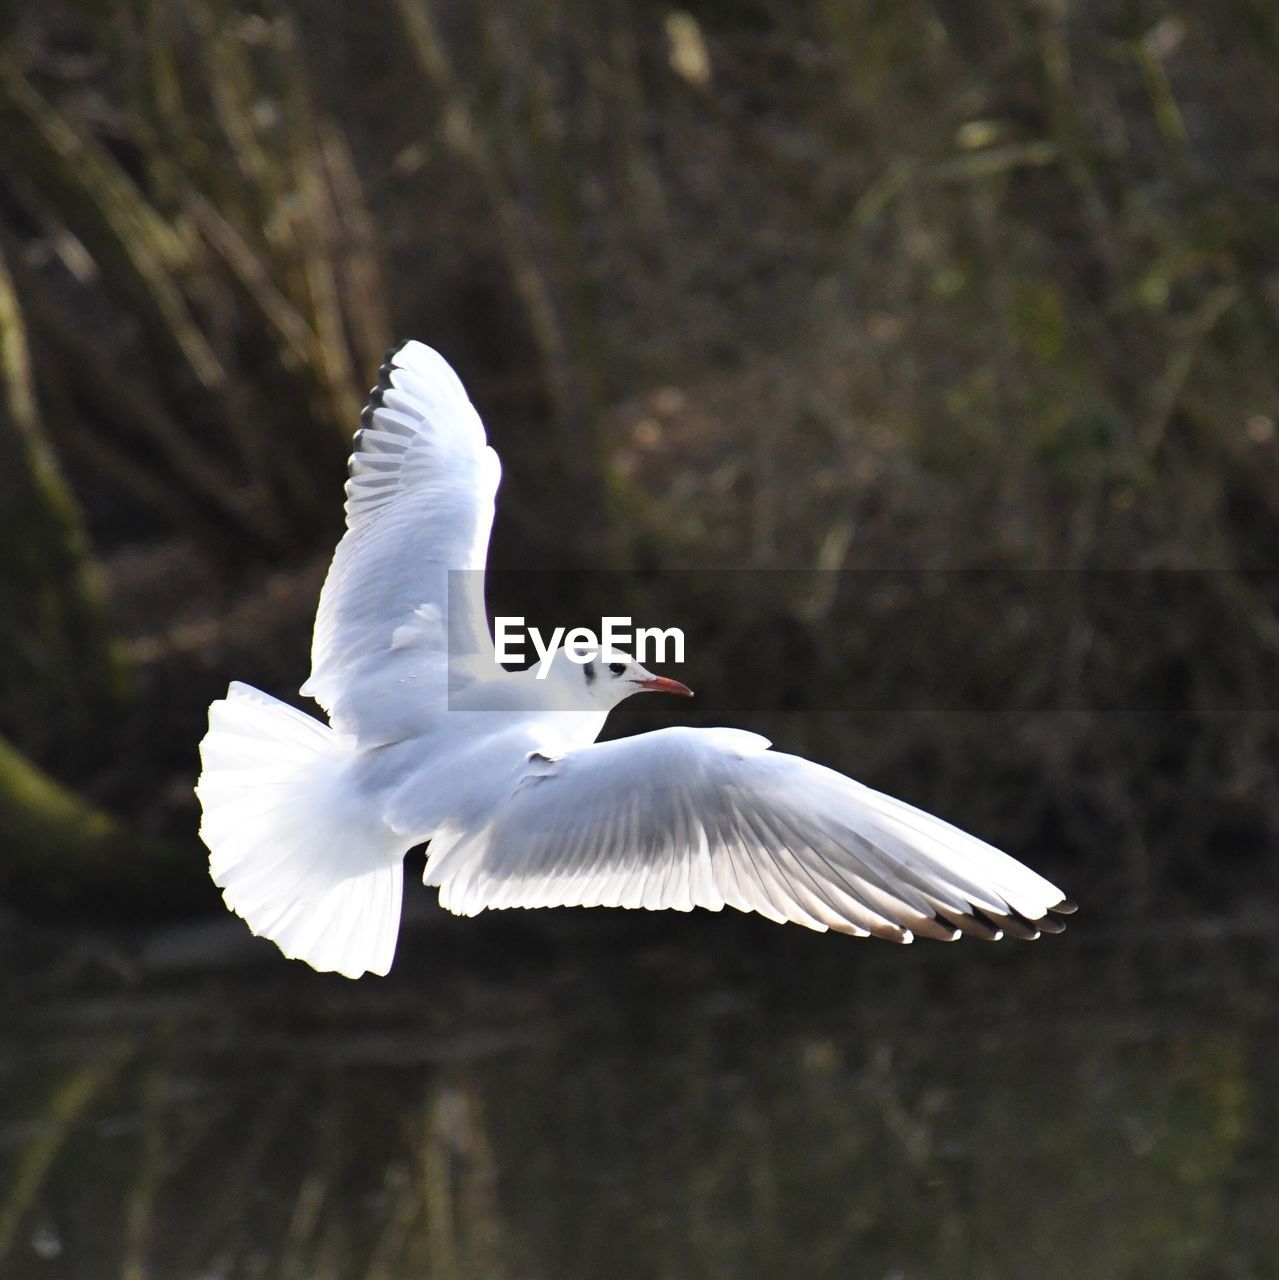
<point>973,308</point>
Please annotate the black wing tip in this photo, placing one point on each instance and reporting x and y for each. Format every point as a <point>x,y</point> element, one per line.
<point>991,926</point>
<point>377,392</point>
<point>1054,919</point>
<point>974,923</point>
<point>1016,925</point>
<point>388,360</point>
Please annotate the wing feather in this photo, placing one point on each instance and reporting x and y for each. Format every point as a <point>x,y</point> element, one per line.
<point>419,508</point>
<point>685,818</point>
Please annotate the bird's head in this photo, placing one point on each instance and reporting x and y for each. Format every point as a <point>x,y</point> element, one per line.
<point>612,677</point>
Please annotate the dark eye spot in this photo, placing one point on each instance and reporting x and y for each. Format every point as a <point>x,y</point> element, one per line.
<point>617,667</point>
<point>589,668</point>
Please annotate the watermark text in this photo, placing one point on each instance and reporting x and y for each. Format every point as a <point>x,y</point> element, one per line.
<point>617,634</point>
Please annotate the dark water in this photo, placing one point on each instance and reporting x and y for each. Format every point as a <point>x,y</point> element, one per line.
<point>607,1095</point>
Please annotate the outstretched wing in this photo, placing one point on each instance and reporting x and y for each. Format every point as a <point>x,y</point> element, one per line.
<point>685,818</point>
<point>404,596</point>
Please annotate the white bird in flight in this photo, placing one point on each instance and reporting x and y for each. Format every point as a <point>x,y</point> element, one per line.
<point>429,740</point>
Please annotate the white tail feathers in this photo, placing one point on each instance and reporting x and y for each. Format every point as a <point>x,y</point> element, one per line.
<point>294,850</point>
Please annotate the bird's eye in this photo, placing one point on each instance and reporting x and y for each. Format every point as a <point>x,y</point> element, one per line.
<point>617,667</point>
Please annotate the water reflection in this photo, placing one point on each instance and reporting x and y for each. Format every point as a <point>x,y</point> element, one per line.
<point>699,1098</point>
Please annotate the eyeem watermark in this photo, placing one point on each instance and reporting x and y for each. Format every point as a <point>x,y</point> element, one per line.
<point>582,645</point>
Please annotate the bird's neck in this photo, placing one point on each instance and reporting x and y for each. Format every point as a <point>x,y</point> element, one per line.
<point>562,703</point>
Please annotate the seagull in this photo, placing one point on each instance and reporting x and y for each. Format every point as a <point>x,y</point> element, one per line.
<point>430,741</point>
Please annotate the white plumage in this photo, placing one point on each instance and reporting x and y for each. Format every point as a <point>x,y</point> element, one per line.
<point>429,740</point>
<point>293,848</point>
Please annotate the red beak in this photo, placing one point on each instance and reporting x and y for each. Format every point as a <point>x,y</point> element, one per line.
<point>661,684</point>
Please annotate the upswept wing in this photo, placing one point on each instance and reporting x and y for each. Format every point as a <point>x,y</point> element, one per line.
<point>685,818</point>
<point>419,503</point>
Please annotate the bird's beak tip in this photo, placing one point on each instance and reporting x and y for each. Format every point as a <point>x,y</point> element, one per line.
<point>663,684</point>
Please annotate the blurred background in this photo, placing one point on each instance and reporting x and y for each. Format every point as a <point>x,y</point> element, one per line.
<point>921,360</point>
